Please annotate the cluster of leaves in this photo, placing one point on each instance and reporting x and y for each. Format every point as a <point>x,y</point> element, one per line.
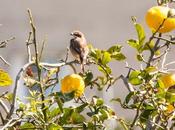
<point>50,109</point>
<point>55,115</point>
<point>102,58</point>
<point>152,100</point>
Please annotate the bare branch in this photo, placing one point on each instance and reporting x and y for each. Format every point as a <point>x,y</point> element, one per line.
<point>13,105</point>
<point>3,94</point>
<point>37,63</point>
<point>3,60</point>
<point>164,39</point>
<point>3,105</point>
<point>5,42</point>
<point>10,123</point>
<point>127,84</point>
<point>28,47</point>
<point>42,48</point>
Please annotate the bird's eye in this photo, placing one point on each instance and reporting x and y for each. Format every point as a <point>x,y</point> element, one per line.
<point>77,34</point>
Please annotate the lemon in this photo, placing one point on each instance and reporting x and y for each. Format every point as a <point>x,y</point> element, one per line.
<point>170,108</point>
<point>73,83</point>
<point>168,80</point>
<point>155,17</point>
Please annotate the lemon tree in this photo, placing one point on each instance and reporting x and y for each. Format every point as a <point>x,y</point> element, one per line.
<point>150,86</point>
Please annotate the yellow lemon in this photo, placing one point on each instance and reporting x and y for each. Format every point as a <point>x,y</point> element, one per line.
<point>168,80</point>
<point>170,108</point>
<point>155,17</point>
<point>73,83</point>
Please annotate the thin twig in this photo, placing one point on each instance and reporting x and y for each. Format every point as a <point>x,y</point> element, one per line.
<point>161,55</point>
<point>28,47</point>
<point>164,39</point>
<point>5,42</point>
<point>3,60</point>
<point>170,63</point>
<point>42,48</point>
<point>3,105</point>
<point>3,94</point>
<point>10,123</point>
<point>2,118</point>
<point>163,61</point>
<point>127,84</point>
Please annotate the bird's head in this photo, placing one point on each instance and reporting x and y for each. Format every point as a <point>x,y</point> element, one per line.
<point>77,34</point>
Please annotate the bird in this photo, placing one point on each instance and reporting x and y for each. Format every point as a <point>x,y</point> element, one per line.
<point>79,48</point>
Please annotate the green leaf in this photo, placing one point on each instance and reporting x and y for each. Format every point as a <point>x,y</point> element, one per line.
<point>133,43</point>
<point>135,81</point>
<point>5,79</point>
<point>134,78</point>
<point>170,97</point>
<point>134,74</point>
<point>118,56</point>
<point>54,112</point>
<point>88,78</point>
<point>66,116</point>
<point>9,97</point>
<point>65,97</point>
<point>90,114</point>
<point>114,49</point>
<point>81,107</point>
<point>145,115</point>
<point>104,114</point>
<point>149,45</point>
<point>27,126</point>
<point>151,69</point>
<point>139,57</point>
<point>106,58</point>
<point>160,84</point>
<point>77,118</point>
<point>99,102</point>
<point>54,126</point>
<point>129,96</point>
<point>140,33</point>
<point>149,107</point>
<point>59,102</point>
<point>105,69</point>
<point>116,100</point>
<point>160,95</point>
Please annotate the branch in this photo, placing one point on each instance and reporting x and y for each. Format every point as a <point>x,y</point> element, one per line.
<point>10,123</point>
<point>127,84</point>
<point>42,48</point>
<point>3,94</point>
<point>5,42</point>
<point>13,105</point>
<point>3,60</point>
<point>164,39</point>
<point>2,104</point>
<point>155,46</point>
<point>37,63</point>
<point>28,47</point>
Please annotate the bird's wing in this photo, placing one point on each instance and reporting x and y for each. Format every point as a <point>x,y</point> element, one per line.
<point>76,46</point>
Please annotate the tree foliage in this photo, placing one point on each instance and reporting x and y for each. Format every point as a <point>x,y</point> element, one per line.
<point>148,95</point>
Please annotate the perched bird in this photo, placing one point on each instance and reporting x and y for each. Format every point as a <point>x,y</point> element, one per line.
<point>79,48</point>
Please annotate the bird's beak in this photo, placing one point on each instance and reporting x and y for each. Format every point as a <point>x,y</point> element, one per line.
<point>71,34</point>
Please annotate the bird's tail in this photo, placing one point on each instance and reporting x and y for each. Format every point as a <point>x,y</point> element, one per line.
<point>82,61</point>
